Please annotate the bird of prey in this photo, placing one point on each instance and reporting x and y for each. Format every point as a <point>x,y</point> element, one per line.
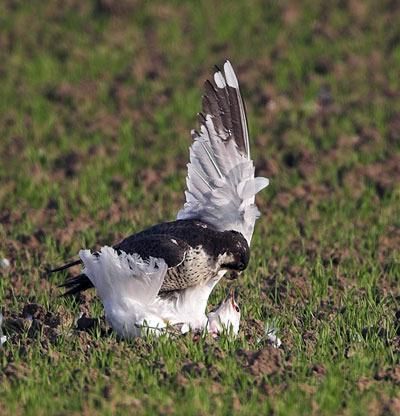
<point>164,274</point>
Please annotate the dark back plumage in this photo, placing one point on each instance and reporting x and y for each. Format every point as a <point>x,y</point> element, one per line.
<point>193,251</point>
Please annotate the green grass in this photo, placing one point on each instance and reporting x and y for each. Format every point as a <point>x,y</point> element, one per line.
<point>97,101</point>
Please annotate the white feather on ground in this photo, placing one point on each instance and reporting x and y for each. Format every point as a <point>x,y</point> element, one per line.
<point>271,335</point>
<point>3,338</point>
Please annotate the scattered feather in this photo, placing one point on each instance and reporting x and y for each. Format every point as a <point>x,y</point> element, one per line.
<point>5,263</point>
<point>3,338</point>
<point>271,335</point>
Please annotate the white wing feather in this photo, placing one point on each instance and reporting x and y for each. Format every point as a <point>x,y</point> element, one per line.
<point>221,186</point>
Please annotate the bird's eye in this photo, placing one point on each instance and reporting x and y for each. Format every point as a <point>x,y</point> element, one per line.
<point>240,266</point>
<point>237,308</point>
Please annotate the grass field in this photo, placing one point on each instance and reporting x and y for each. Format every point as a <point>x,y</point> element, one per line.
<point>97,99</point>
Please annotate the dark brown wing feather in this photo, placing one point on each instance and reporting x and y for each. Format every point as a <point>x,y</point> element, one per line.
<point>225,105</point>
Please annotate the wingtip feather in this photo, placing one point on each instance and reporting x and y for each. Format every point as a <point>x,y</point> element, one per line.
<point>230,75</point>
<point>219,80</point>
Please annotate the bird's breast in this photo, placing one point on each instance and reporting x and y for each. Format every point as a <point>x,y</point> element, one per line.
<point>196,268</point>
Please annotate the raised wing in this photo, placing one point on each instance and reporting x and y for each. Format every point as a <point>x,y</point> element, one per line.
<point>221,186</point>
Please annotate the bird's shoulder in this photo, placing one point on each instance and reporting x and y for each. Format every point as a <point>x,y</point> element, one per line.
<point>187,232</point>
<point>172,240</point>
<point>164,246</point>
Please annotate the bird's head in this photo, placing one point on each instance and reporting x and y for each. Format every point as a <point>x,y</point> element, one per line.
<point>235,254</point>
<point>226,316</point>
